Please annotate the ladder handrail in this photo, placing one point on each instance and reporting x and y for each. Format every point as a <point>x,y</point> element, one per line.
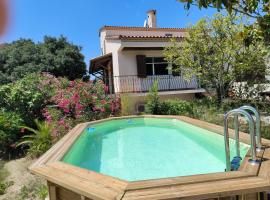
<point>258,124</point>
<point>250,120</point>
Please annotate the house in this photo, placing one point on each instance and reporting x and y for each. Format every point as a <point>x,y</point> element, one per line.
<point>132,59</point>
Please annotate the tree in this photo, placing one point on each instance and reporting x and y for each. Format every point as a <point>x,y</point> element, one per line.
<point>62,58</point>
<point>54,55</point>
<point>215,52</point>
<point>257,9</point>
<point>19,58</point>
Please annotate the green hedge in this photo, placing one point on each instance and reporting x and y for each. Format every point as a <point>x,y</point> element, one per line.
<point>9,131</point>
<point>176,107</point>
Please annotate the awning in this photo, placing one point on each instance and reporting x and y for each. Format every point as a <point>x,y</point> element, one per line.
<point>99,63</point>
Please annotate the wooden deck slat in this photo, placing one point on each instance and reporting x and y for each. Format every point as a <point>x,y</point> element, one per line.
<point>90,189</point>
<point>187,180</point>
<point>247,167</point>
<point>92,185</point>
<point>265,166</point>
<point>114,183</point>
<point>203,190</point>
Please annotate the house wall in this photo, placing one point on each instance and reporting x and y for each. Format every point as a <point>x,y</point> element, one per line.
<point>133,100</point>
<point>127,60</point>
<point>125,63</point>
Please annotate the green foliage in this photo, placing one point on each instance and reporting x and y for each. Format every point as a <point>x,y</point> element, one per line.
<point>153,101</point>
<point>61,102</point>
<point>3,171</point>
<point>176,107</point>
<point>4,186</point>
<point>259,10</point>
<point>39,141</point>
<point>62,58</point>
<point>18,59</point>
<point>127,105</point>
<point>263,106</point>
<point>26,97</point>
<point>216,53</point>
<point>34,190</point>
<point>9,131</point>
<point>55,55</point>
<point>3,175</point>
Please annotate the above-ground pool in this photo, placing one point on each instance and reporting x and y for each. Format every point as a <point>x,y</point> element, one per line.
<point>149,148</point>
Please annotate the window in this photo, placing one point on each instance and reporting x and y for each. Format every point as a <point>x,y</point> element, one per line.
<point>156,66</point>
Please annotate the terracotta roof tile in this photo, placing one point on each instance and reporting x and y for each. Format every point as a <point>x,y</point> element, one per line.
<point>138,28</point>
<point>147,36</point>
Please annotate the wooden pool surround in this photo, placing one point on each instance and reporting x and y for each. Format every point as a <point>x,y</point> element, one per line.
<point>67,182</point>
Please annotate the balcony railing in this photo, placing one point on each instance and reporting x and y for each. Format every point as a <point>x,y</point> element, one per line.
<point>127,84</point>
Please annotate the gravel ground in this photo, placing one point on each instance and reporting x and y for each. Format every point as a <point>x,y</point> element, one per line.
<point>24,182</point>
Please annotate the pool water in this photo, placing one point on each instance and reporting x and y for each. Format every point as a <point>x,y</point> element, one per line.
<point>149,148</point>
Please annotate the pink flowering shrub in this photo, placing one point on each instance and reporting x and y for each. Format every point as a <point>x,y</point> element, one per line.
<point>78,101</point>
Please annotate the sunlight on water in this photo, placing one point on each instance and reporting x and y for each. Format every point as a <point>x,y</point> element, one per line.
<point>149,148</point>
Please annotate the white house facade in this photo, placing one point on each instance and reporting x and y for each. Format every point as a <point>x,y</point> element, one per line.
<point>132,59</point>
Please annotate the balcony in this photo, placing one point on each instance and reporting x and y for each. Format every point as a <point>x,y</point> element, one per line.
<point>135,84</point>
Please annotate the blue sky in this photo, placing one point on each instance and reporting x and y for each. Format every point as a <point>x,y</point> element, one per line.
<point>80,20</point>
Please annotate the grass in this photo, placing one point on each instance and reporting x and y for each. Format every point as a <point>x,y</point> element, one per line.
<point>33,190</point>
<point>215,116</point>
<point>3,172</point>
<point>3,175</point>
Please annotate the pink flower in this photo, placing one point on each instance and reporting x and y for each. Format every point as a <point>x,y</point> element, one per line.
<point>75,97</point>
<point>78,106</point>
<point>103,101</point>
<point>71,83</point>
<point>106,88</point>
<point>61,121</point>
<point>22,130</point>
<point>49,118</point>
<point>54,133</point>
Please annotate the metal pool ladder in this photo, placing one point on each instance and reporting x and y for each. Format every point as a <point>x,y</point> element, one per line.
<point>236,113</point>
<point>258,125</point>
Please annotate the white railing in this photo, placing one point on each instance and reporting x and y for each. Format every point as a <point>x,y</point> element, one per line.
<point>124,84</point>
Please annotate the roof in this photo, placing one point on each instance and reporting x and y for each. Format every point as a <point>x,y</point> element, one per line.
<point>147,36</point>
<point>101,60</point>
<point>128,32</point>
<point>139,28</point>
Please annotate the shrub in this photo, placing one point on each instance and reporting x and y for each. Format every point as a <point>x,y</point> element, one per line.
<point>262,106</point>
<point>40,141</point>
<point>9,131</point>
<point>153,101</point>
<point>79,101</point>
<point>62,103</point>
<point>127,105</point>
<point>176,107</point>
<point>27,97</point>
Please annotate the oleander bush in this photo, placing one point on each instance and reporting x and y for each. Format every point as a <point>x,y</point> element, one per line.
<point>58,101</point>
<point>79,101</point>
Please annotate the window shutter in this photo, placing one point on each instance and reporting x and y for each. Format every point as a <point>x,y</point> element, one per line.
<point>141,67</point>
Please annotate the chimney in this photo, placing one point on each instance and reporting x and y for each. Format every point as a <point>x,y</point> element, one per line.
<point>152,19</point>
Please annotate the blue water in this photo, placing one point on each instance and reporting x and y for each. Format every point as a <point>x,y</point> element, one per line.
<point>149,148</point>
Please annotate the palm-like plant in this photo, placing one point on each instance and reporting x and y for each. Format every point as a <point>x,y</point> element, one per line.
<point>38,142</point>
